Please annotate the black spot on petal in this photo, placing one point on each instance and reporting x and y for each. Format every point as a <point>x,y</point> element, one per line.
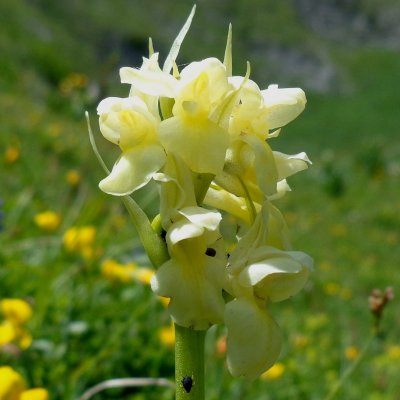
<point>211,252</point>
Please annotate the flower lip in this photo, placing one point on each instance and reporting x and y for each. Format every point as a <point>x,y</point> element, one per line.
<point>283,105</point>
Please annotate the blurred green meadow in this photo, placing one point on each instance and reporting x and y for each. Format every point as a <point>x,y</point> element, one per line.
<point>71,252</point>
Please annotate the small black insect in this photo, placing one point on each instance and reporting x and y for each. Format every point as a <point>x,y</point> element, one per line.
<point>211,252</point>
<point>187,383</point>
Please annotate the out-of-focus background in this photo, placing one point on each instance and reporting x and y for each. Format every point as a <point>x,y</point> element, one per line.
<point>72,254</point>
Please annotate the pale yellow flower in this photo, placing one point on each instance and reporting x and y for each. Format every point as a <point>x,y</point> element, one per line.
<point>196,295</point>
<point>204,136</point>
<point>48,220</point>
<point>194,128</point>
<point>129,123</point>
<point>259,272</point>
<point>283,105</point>
<point>259,111</point>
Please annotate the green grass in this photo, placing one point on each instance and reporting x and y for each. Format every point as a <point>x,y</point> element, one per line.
<point>344,211</point>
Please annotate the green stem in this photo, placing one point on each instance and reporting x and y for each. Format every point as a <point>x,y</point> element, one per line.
<point>189,363</point>
<point>349,371</point>
<point>154,245</point>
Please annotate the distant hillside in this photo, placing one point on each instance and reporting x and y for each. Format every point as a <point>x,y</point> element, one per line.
<point>288,42</point>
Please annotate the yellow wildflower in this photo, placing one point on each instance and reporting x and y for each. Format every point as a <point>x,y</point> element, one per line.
<point>35,394</point>
<point>12,384</point>
<point>54,129</point>
<point>73,81</point>
<point>351,353</point>
<point>48,220</point>
<point>116,272</point>
<point>10,333</point>
<point>80,240</point>
<point>7,333</point>
<point>326,266</point>
<point>394,352</point>
<point>12,154</point>
<point>73,178</point>
<point>301,341</point>
<point>144,275</point>
<point>275,372</point>
<point>12,387</point>
<point>167,335</point>
<point>345,293</point>
<point>339,230</point>
<point>16,311</point>
<point>331,288</point>
<point>78,80</point>
<point>24,339</point>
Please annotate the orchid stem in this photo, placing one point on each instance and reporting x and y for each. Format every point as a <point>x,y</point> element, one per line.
<point>189,363</point>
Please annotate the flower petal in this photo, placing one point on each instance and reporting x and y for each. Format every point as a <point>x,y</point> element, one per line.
<point>290,164</point>
<point>133,170</point>
<point>154,83</point>
<point>182,230</point>
<point>192,140</point>
<point>177,189</point>
<point>223,200</point>
<point>275,274</point>
<point>283,105</point>
<point>202,217</point>
<point>195,289</point>
<point>254,339</point>
<point>126,121</point>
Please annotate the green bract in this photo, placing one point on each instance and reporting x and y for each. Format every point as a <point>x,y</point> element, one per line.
<point>205,137</point>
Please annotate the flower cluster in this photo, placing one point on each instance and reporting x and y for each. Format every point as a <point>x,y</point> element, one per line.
<point>16,314</point>
<point>80,240</point>
<point>204,135</point>
<point>116,272</point>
